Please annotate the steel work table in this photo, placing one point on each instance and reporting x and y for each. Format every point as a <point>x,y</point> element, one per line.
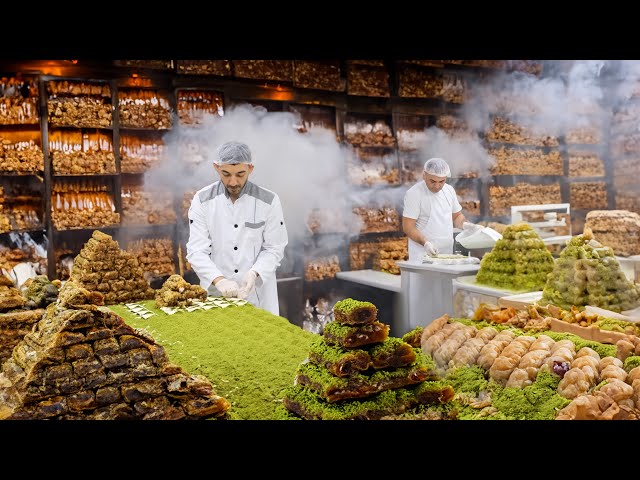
<point>432,288</point>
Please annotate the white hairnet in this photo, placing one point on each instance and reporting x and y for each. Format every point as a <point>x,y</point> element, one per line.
<point>438,167</point>
<point>231,153</point>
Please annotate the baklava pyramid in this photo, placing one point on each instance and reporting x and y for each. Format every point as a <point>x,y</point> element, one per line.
<point>103,267</point>
<point>356,371</point>
<point>588,273</point>
<point>518,261</point>
<point>81,361</point>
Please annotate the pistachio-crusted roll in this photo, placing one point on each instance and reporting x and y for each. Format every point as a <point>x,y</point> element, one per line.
<point>413,337</point>
<point>308,404</point>
<point>349,336</point>
<point>393,352</point>
<point>355,312</point>
<point>361,385</point>
<point>340,361</point>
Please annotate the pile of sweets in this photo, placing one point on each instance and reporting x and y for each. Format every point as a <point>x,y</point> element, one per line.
<point>355,371</point>
<point>101,266</point>
<point>588,273</point>
<point>177,292</point>
<point>519,261</point>
<point>81,361</point>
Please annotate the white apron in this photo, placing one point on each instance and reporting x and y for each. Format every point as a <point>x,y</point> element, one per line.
<point>438,230</point>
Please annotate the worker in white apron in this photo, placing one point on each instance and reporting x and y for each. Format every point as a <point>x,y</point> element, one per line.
<point>431,211</point>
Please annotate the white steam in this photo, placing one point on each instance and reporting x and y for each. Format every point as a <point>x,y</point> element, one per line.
<point>307,170</point>
<point>311,170</point>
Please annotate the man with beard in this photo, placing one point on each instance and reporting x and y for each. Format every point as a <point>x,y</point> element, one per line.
<point>237,233</point>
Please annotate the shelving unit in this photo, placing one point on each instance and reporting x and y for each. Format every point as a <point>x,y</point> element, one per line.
<point>22,161</point>
<point>148,101</point>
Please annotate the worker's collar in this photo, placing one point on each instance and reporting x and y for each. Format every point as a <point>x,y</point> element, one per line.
<point>242,192</point>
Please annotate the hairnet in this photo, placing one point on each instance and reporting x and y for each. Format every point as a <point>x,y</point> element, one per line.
<point>231,153</point>
<point>437,167</point>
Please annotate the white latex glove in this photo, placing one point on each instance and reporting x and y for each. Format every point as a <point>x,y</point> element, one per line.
<point>430,249</point>
<point>247,285</point>
<point>228,288</point>
<point>473,227</point>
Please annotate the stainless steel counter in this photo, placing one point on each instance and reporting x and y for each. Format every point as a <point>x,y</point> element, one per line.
<point>372,278</point>
<point>427,292</point>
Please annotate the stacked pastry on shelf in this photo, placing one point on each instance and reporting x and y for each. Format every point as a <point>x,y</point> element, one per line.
<point>522,193</point>
<point>321,268</point>
<point>504,130</point>
<point>618,229</point>
<point>79,104</point>
<point>356,371</point>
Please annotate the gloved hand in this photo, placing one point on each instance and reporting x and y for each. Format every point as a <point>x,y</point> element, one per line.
<point>228,288</point>
<point>430,249</point>
<point>247,285</point>
<point>473,227</point>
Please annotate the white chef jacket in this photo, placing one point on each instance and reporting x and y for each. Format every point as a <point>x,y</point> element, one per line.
<point>432,212</point>
<point>229,239</point>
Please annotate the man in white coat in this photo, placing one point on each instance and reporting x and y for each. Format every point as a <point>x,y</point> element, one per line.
<point>237,233</point>
<point>431,210</point>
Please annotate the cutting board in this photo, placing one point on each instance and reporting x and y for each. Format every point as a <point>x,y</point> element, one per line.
<point>520,300</point>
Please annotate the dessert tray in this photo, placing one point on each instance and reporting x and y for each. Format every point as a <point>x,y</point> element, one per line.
<point>450,259</point>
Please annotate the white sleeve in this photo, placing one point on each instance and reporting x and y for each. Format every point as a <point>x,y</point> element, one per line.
<point>275,239</point>
<point>411,208</point>
<point>199,245</point>
<point>455,203</point>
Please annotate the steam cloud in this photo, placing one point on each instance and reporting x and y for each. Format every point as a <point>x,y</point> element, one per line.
<point>306,170</point>
<point>309,170</point>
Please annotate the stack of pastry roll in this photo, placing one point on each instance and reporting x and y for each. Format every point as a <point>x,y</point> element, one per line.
<point>583,374</point>
<point>493,348</point>
<point>509,358</point>
<point>530,363</point>
<point>355,324</point>
<point>356,371</point>
<point>470,350</point>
